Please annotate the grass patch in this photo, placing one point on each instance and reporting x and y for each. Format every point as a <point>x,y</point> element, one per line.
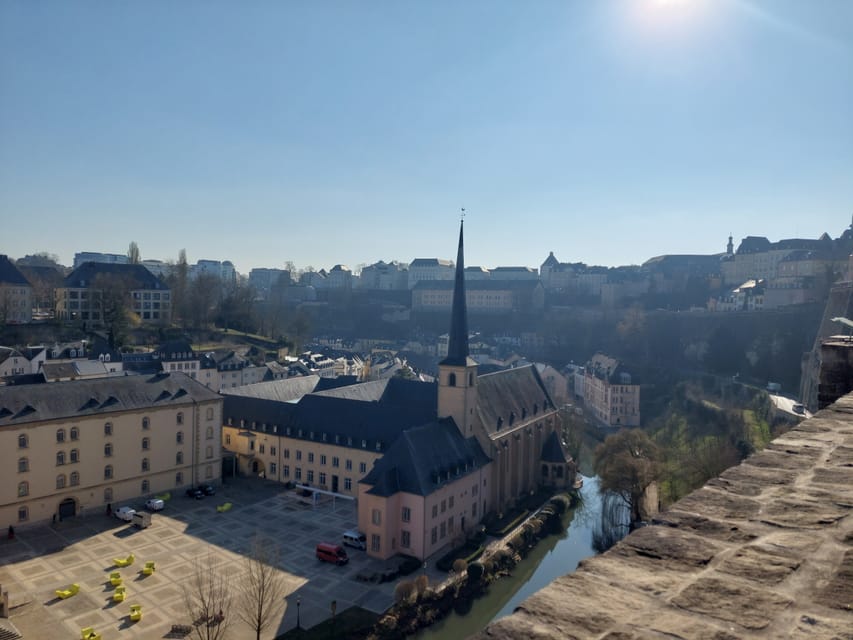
<point>354,622</point>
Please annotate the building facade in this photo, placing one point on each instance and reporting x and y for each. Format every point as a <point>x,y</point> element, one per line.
<point>16,294</point>
<point>609,393</point>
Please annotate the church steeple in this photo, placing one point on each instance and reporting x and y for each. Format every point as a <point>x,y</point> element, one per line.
<point>457,350</point>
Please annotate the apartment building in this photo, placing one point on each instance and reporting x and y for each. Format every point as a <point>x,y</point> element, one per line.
<point>608,392</point>
<point>72,447</point>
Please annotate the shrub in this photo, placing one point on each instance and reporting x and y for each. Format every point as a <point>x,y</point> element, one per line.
<point>459,565</point>
<point>475,571</point>
<point>404,591</point>
<point>421,583</point>
<point>409,565</point>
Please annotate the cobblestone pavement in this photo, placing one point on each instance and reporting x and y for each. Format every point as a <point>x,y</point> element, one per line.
<point>81,550</point>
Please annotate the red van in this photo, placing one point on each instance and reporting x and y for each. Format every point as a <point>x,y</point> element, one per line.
<point>331,553</point>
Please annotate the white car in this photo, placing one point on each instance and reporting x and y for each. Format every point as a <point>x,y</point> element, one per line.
<point>155,504</point>
<point>125,513</point>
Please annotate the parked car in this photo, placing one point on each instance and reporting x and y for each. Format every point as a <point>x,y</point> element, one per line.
<point>208,490</point>
<point>125,513</point>
<point>155,504</point>
<point>331,553</point>
<point>194,492</point>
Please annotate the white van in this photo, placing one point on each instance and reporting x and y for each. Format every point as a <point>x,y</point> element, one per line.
<point>355,539</point>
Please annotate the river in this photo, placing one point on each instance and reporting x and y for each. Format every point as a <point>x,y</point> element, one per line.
<point>553,557</point>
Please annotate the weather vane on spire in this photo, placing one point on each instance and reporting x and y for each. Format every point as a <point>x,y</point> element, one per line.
<point>463,213</point>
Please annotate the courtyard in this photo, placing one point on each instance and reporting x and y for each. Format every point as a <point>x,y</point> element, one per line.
<point>80,550</point>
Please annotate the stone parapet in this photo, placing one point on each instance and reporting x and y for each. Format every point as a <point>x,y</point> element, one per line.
<point>765,550</point>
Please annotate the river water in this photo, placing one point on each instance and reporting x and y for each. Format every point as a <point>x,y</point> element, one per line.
<point>553,557</point>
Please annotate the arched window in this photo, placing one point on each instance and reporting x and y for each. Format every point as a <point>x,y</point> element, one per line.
<point>145,465</point>
<point>209,452</point>
<point>23,489</point>
<point>75,433</point>
<point>108,428</point>
<point>146,487</point>
<point>74,479</point>
<point>108,494</point>
<point>108,472</point>
<point>209,433</point>
<point>60,435</point>
<point>74,455</point>
<point>559,471</point>
<point>60,458</point>
<point>179,479</point>
<point>179,437</point>
<point>544,470</point>
<point>108,449</point>
<point>146,423</point>
<point>23,465</point>
<point>470,379</point>
<point>208,471</point>
<point>179,457</point>
<point>451,380</point>
<point>146,444</point>
<point>60,481</point>
<point>180,417</point>
<point>23,441</point>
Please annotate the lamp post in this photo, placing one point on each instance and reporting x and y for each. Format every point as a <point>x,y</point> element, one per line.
<point>298,604</point>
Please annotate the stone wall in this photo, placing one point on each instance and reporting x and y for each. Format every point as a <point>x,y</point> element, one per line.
<point>763,551</point>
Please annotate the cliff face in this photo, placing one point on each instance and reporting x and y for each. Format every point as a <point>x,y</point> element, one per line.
<point>763,551</point>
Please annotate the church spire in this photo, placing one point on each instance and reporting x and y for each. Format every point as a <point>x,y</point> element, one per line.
<point>457,351</point>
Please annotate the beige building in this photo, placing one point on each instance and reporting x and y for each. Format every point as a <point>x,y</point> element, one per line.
<point>609,394</point>
<point>74,447</point>
<point>16,294</point>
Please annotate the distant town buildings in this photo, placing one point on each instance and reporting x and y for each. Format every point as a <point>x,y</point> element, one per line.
<point>16,294</point>
<point>609,392</point>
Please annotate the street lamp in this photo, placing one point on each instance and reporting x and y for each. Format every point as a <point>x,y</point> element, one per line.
<point>298,604</point>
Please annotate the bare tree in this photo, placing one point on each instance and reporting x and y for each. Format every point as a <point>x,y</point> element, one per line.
<point>262,589</point>
<point>207,599</point>
<point>133,256</point>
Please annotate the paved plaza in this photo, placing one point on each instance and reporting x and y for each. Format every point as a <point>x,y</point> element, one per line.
<point>42,559</point>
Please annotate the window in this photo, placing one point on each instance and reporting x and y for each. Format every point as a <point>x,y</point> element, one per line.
<point>179,479</point>
<point>209,433</point>
<point>60,435</point>
<point>285,471</point>
<point>322,460</point>
<point>23,514</point>
<point>451,380</point>
<point>272,451</point>
<point>450,502</point>
<point>60,458</point>
<point>349,465</point>
<point>434,535</point>
<point>443,507</point>
<point>209,413</point>
<point>298,473</point>
<point>108,450</point>
<point>286,454</point>
<point>23,489</point>
<point>362,467</point>
<point>74,456</point>
<point>474,510</point>
<point>435,511</point>
<point>74,479</point>
<point>23,441</point>
<point>251,445</point>
<point>272,468</point>
<point>364,444</point>
<point>376,517</point>
<point>298,454</point>
<point>146,487</point>
<point>443,530</point>
<point>227,438</point>
<point>146,423</point>
<point>179,457</point>
<point>322,479</point>
<point>179,437</point>
<point>405,539</point>
<point>146,444</point>
<point>145,465</point>
<point>450,524</point>
<point>262,448</point>
<point>75,433</point>
<point>375,542</point>
<point>108,472</point>
<point>347,484</point>
<point>108,428</point>
<point>108,494</point>
<point>310,476</point>
<point>336,462</point>
<point>208,471</point>
<point>208,453</point>
<point>310,457</point>
<point>407,515</point>
<point>475,489</point>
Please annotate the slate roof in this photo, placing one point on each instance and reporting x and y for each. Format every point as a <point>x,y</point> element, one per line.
<point>552,449</point>
<point>551,261</point>
<point>506,397</point>
<point>10,274</point>
<point>430,262</point>
<point>73,400</point>
<point>285,390</point>
<point>424,458</point>
<point>84,275</point>
<point>8,352</point>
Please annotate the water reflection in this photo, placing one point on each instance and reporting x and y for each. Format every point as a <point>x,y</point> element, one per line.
<point>555,556</point>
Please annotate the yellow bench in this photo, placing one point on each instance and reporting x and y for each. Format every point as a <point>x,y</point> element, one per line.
<point>115,578</point>
<point>148,569</point>
<point>135,612</point>
<point>124,562</point>
<point>165,497</point>
<point>119,594</point>
<point>224,507</point>
<point>67,593</point>
<point>89,634</point>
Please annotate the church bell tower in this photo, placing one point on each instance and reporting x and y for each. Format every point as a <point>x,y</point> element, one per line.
<point>457,373</point>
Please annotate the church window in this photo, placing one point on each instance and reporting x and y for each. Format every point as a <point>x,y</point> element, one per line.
<point>451,380</point>
<point>470,379</point>
<point>544,470</point>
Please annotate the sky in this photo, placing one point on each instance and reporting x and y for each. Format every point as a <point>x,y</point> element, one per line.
<point>347,132</point>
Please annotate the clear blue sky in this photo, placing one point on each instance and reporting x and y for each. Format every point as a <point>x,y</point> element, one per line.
<point>326,132</point>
